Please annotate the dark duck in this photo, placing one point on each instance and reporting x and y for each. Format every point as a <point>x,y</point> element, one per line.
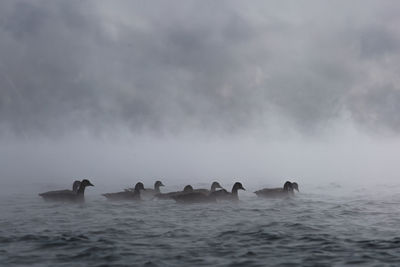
<point>169,195</point>
<point>75,195</point>
<point>287,190</point>
<point>127,194</point>
<point>156,189</point>
<point>225,195</point>
<point>214,186</point>
<point>190,196</point>
<point>149,193</point>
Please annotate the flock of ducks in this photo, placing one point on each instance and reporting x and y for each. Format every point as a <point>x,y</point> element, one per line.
<point>187,195</point>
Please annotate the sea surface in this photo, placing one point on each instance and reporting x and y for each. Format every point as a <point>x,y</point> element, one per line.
<point>321,226</point>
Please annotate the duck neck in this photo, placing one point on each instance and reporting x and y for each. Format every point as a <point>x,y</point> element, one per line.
<point>235,193</point>
<point>137,191</point>
<point>287,187</point>
<point>213,187</point>
<point>157,188</point>
<point>81,190</point>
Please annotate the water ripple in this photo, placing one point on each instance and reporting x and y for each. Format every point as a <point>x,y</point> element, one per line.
<point>308,230</point>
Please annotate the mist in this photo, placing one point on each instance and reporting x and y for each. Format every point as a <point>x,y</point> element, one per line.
<point>197,91</point>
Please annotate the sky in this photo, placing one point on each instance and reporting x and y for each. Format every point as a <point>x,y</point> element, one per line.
<point>259,91</point>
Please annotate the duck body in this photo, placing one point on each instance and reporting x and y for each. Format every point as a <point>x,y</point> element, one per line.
<point>272,193</point>
<point>124,195</point>
<point>68,195</point>
<point>225,195</point>
<point>127,194</point>
<point>221,194</point>
<point>170,195</point>
<point>204,191</point>
<point>149,193</point>
<point>60,195</point>
<point>286,191</point>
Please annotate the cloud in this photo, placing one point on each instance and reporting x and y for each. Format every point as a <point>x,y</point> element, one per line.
<point>210,66</point>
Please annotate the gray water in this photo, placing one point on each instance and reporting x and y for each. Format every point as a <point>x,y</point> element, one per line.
<point>321,226</point>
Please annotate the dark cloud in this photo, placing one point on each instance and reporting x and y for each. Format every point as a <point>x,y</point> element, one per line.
<point>210,66</point>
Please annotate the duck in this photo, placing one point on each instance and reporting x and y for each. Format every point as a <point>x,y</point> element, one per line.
<point>68,195</point>
<point>156,189</point>
<point>149,193</point>
<point>287,190</point>
<point>225,195</point>
<point>191,196</point>
<point>186,189</point>
<point>214,186</point>
<point>127,194</point>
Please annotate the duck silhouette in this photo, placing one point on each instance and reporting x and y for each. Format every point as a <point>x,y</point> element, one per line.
<point>155,190</point>
<point>287,190</point>
<point>149,193</point>
<point>214,186</point>
<point>127,194</point>
<point>68,195</point>
<point>225,195</point>
<point>191,196</point>
<point>186,189</point>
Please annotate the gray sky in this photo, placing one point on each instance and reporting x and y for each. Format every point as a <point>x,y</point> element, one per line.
<point>259,89</point>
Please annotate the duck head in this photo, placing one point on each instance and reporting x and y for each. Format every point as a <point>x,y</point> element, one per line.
<point>82,187</point>
<point>188,188</point>
<point>237,186</point>
<point>215,185</point>
<point>157,184</point>
<point>85,183</point>
<point>139,186</point>
<point>288,186</point>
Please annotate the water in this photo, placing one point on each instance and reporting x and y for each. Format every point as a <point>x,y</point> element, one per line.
<point>321,226</point>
